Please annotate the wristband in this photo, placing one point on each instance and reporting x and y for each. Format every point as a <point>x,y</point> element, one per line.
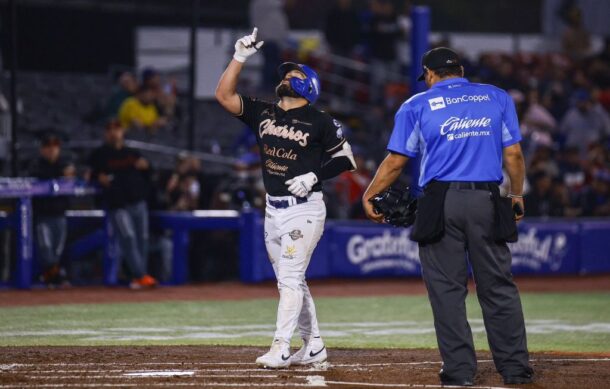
<point>514,196</point>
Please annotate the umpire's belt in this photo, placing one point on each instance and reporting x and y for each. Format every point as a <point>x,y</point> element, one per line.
<point>281,202</point>
<point>473,185</point>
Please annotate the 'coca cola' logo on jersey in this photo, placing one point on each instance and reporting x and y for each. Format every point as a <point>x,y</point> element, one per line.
<point>268,127</point>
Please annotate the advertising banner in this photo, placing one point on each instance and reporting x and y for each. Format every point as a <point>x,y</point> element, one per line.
<point>546,248</point>
<point>595,246</point>
<point>372,251</point>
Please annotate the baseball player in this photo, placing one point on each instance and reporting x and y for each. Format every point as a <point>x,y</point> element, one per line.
<point>294,139</point>
<point>464,132</point>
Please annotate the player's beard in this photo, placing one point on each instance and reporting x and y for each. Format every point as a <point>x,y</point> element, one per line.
<point>285,90</point>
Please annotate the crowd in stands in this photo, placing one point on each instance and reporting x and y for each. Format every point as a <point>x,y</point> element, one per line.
<point>562,99</point>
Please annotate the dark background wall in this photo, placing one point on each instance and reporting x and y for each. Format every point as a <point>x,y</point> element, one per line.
<point>92,35</point>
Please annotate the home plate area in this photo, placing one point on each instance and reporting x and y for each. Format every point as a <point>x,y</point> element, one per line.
<point>211,366</point>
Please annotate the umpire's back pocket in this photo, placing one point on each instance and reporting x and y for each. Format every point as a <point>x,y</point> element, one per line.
<point>429,225</point>
<point>505,224</point>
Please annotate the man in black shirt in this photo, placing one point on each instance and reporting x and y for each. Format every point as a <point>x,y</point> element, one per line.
<point>294,139</point>
<point>384,33</point>
<point>49,212</point>
<point>122,173</point>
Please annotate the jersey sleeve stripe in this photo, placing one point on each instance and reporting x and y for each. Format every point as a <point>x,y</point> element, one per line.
<point>406,153</point>
<point>337,146</point>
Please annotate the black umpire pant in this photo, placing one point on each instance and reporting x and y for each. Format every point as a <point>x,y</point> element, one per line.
<point>469,220</point>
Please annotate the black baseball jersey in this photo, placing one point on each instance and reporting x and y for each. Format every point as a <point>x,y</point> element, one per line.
<point>292,142</point>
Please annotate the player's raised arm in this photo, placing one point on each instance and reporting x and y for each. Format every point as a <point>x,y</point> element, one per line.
<point>226,93</point>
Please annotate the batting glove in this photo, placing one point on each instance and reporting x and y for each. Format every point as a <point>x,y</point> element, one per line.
<point>246,46</point>
<point>301,185</point>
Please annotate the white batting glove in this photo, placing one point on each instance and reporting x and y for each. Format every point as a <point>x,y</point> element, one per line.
<point>246,46</point>
<point>301,185</point>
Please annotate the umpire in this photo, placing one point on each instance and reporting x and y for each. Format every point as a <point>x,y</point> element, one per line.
<point>463,132</point>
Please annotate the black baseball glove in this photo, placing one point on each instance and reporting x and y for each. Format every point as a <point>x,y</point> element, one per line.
<point>398,207</point>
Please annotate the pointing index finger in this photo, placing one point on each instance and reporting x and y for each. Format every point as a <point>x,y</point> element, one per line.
<point>254,32</point>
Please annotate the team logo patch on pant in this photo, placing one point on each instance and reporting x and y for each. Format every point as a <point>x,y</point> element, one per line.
<point>295,234</point>
<point>290,252</point>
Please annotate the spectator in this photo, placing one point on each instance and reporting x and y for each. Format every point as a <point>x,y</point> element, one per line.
<point>49,213</point>
<point>140,111</point>
<point>272,22</point>
<point>543,161</point>
<point>126,87</point>
<point>122,174</point>
<point>384,33</point>
<point>556,89</point>
<point>244,189</point>
<point>342,28</point>
<point>164,95</point>
<point>596,198</point>
<point>598,157</point>
<point>403,49</point>
<point>540,201</point>
<point>576,40</point>
<point>182,192</point>
<point>586,122</point>
<point>571,169</point>
<point>183,188</point>
<point>538,122</point>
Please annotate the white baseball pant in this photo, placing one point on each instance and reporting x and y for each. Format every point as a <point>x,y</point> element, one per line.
<point>291,235</point>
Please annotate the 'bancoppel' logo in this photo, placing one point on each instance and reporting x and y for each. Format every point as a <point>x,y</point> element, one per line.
<point>467,99</point>
<point>436,103</point>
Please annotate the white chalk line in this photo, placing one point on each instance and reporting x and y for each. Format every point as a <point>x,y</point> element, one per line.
<point>112,377</point>
<point>311,381</point>
<point>260,370</point>
<point>150,384</point>
<point>247,384</point>
<point>162,373</point>
<point>409,385</point>
<point>18,365</point>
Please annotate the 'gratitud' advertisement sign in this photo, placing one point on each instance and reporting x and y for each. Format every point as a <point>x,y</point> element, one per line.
<point>373,251</point>
<point>546,248</point>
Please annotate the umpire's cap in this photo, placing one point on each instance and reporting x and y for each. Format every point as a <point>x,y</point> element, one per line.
<point>441,57</point>
<point>309,88</point>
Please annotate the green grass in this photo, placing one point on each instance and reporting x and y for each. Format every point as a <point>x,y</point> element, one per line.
<point>561,322</point>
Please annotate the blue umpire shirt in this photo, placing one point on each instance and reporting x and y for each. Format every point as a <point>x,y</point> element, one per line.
<point>459,128</point>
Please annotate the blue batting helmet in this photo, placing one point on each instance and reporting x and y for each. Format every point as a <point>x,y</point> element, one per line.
<point>309,88</point>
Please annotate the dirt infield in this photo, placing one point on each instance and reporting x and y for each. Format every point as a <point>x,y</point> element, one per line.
<point>199,366</point>
<point>239,291</point>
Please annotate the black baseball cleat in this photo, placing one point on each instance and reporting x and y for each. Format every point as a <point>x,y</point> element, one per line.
<point>526,377</point>
<point>453,381</point>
